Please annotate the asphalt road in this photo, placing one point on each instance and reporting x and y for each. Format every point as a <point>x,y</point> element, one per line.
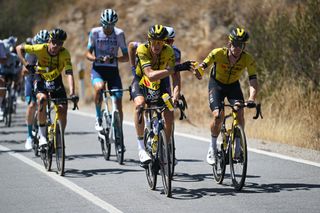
<point>92,184</point>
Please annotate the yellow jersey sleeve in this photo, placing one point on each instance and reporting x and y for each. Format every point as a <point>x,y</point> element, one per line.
<point>50,67</point>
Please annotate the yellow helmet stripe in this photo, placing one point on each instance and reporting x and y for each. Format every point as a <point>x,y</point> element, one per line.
<point>240,32</point>
<point>158,29</point>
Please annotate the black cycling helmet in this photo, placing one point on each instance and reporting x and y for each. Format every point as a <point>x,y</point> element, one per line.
<point>58,34</point>
<point>157,32</point>
<point>238,35</point>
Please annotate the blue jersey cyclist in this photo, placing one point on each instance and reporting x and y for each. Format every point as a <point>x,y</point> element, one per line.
<point>30,95</point>
<point>103,45</point>
<point>10,69</point>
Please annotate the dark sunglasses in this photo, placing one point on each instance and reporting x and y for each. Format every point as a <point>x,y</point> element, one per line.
<point>238,44</point>
<point>57,42</point>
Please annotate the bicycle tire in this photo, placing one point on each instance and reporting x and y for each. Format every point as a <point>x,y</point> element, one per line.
<point>8,110</point>
<point>118,135</point>
<point>152,169</point>
<point>59,147</point>
<point>105,143</point>
<point>219,168</point>
<point>164,160</point>
<point>35,141</point>
<point>238,167</point>
<point>46,154</point>
<point>172,151</point>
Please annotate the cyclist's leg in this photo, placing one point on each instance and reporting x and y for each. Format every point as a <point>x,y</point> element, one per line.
<point>234,96</point>
<point>42,104</point>
<point>168,123</point>
<point>31,108</point>
<point>98,84</point>
<point>114,82</point>
<point>216,97</point>
<point>31,103</point>
<point>139,101</point>
<point>63,106</point>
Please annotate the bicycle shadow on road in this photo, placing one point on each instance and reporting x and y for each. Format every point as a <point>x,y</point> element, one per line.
<point>180,193</point>
<point>83,156</point>
<point>75,173</point>
<point>277,187</point>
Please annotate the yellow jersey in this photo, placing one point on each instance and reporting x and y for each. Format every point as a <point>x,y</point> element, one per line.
<point>222,70</point>
<point>50,67</point>
<point>144,59</point>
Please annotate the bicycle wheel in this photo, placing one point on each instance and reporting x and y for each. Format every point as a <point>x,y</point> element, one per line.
<point>105,142</point>
<point>8,110</point>
<point>118,135</point>
<point>164,160</point>
<point>35,141</point>
<point>219,168</point>
<point>238,162</point>
<point>151,169</point>
<point>59,147</point>
<point>46,155</point>
<point>172,151</point>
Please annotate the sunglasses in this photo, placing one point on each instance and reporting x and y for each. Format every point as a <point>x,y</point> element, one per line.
<point>157,42</point>
<point>238,44</point>
<point>108,26</point>
<point>57,42</point>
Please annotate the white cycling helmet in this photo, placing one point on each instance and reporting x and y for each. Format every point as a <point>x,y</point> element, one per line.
<point>171,32</point>
<point>41,37</point>
<point>108,17</point>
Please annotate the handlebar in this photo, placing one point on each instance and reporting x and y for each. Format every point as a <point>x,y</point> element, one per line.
<point>249,105</point>
<point>158,109</point>
<point>74,99</point>
<point>102,59</point>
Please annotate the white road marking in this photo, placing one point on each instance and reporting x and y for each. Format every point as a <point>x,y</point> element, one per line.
<point>65,182</point>
<point>272,154</point>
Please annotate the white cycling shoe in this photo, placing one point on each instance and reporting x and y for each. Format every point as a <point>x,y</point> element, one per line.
<point>143,156</point>
<point>42,141</point>
<point>28,144</point>
<point>211,156</point>
<point>98,125</point>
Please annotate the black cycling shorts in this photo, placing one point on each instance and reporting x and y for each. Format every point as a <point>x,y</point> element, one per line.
<point>56,89</point>
<point>151,96</point>
<point>219,91</point>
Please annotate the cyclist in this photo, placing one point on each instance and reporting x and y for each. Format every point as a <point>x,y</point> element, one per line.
<point>132,47</point>
<point>105,42</point>
<point>40,38</point>
<point>53,58</point>
<point>3,60</point>
<point>10,70</point>
<point>228,66</point>
<point>155,62</point>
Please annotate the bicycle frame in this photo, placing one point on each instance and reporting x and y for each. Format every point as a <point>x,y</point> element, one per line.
<point>113,132</point>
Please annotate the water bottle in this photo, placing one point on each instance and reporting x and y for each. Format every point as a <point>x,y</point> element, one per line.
<point>168,101</point>
<point>198,70</point>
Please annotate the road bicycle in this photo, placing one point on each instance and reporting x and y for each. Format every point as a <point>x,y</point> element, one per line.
<point>55,134</point>
<point>229,152</point>
<point>8,103</point>
<point>112,132</point>
<point>157,147</point>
